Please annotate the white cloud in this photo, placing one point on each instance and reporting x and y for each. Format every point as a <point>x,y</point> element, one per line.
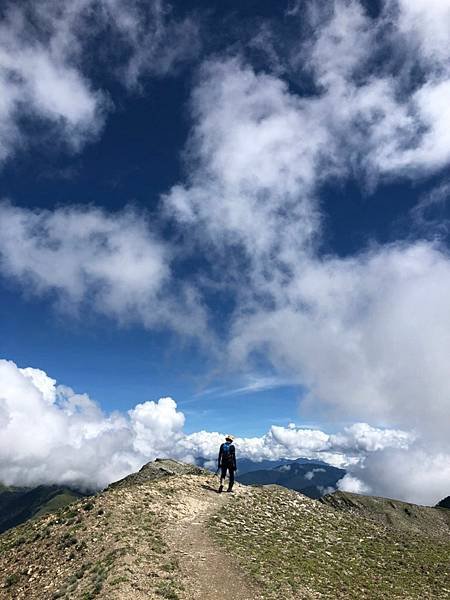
<point>43,442</point>
<point>429,212</point>
<point>349,483</point>
<point>420,475</point>
<point>346,449</point>
<point>86,257</point>
<point>154,40</point>
<point>258,151</point>
<point>37,80</point>
<point>428,21</point>
<point>363,437</point>
<point>310,474</point>
<point>252,384</point>
<point>45,56</point>
<point>51,434</point>
<point>383,122</point>
<point>256,148</point>
<point>366,335</point>
<point>326,490</point>
<point>156,426</point>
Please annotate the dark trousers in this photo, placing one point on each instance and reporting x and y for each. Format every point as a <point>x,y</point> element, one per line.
<point>223,474</point>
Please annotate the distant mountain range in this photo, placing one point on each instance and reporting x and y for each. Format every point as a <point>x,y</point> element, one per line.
<point>18,504</point>
<point>245,465</point>
<point>312,478</point>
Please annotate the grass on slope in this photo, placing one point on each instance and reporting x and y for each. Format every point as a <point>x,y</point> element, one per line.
<point>17,505</point>
<point>106,546</point>
<point>298,548</point>
<point>429,520</point>
<point>56,503</point>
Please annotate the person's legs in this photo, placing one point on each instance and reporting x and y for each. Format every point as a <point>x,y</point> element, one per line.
<point>231,481</point>
<point>222,477</point>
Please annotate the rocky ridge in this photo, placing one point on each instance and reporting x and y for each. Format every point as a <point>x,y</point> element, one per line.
<point>165,533</point>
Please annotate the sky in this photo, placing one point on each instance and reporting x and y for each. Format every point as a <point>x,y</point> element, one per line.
<point>225,218</point>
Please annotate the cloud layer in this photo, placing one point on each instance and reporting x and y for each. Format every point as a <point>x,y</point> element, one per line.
<point>51,434</point>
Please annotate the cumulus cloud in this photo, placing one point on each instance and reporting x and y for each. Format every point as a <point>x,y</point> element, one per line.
<point>252,166</point>
<point>51,434</point>
<point>45,56</point>
<point>87,257</point>
<point>349,483</point>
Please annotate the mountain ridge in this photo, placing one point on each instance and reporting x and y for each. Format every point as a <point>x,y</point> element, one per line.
<point>164,532</point>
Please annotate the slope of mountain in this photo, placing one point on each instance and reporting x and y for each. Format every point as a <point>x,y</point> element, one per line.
<point>301,548</point>
<point>401,515</point>
<point>444,503</point>
<point>165,533</point>
<point>19,504</point>
<point>310,478</point>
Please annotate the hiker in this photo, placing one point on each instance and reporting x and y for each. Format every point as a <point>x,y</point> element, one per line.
<point>227,462</point>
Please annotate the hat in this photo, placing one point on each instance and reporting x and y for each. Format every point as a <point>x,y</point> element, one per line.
<point>229,437</point>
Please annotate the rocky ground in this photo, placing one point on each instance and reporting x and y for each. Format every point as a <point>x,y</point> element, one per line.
<point>166,533</point>
<point>296,547</point>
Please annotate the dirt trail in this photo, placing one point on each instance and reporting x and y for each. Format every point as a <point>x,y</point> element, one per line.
<point>206,571</point>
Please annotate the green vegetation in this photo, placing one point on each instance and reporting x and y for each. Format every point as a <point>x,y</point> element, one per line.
<point>394,513</point>
<point>168,589</point>
<point>293,545</point>
<point>11,579</point>
<point>17,505</point>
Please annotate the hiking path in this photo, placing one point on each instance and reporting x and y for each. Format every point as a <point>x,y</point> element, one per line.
<point>206,571</point>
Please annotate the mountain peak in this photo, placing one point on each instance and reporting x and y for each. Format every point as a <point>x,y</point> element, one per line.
<point>444,503</point>
<point>160,467</point>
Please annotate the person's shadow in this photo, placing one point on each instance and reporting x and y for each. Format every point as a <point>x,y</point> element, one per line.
<point>210,488</point>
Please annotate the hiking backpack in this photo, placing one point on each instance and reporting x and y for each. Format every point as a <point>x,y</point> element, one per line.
<point>226,453</point>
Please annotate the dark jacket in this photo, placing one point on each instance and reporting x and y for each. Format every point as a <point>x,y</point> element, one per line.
<point>227,460</point>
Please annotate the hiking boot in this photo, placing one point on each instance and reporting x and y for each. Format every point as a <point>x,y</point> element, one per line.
<point>220,488</point>
<point>229,490</point>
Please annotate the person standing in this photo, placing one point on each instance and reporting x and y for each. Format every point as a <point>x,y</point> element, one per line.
<point>227,462</point>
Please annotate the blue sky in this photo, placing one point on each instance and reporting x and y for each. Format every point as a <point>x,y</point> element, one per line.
<point>243,208</point>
